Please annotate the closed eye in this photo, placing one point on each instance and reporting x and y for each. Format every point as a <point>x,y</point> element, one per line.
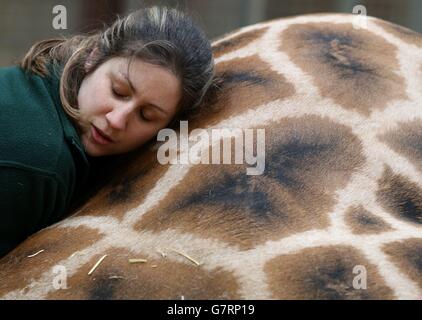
<point>142,115</point>
<point>118,94</point>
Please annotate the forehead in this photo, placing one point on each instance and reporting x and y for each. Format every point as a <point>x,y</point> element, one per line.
<point>136,67</point>
<point>154,82</point>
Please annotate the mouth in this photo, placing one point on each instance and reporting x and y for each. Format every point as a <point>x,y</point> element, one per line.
<point>99,136</point>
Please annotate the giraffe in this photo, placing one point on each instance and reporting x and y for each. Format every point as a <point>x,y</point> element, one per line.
<point>340,197</point>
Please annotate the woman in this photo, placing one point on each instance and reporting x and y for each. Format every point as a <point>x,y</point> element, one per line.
<point>72,100</point>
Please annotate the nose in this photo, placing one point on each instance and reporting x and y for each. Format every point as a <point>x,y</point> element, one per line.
<point>119,116</point>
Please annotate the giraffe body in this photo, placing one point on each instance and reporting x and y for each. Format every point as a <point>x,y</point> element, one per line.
<point>336,214</point>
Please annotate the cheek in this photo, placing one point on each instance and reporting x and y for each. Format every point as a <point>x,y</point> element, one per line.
<point>92,99</point>
<point>91,92</point>
<point>84,98</point>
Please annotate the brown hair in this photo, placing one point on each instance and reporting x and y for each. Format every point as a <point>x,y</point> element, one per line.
<point>158,35</point>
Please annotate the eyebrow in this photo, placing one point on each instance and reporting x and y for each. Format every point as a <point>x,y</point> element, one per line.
<point>134,90</point>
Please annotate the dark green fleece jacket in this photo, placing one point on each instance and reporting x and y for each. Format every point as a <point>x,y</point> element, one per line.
<point>42,161</point>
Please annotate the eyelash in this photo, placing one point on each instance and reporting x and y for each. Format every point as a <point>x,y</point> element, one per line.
<point>143,117</point>
<point>122,97</point>
<point>117,94</point>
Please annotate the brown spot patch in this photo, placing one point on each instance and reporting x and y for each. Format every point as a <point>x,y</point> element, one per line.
<point>400,196</point>
<point>355,68</point>
<point>244,83</point>
<point>237,42</point>
<point>407,140</point>
<point>116,278</point>
<point>407,255</point>
<point>307,160</point>
<point>128,187</point>
<point>361,221</point>
<point>405,34</point>
<point>18,271</point>
<point>324,273</point>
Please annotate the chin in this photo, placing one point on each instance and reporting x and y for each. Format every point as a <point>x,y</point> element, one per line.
<point>92,152</point>
<point>90,149</point>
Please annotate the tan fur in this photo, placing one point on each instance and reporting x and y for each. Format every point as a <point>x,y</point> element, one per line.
<point>406,139</point>
<point>159,281</point>
<point>237,42</point>
<point>235,97</point>
<point>405,34</point>
<point>400,196</point>
<point>128,189</point>
<point>361,221</point>
<point>407,255</point>
<point>17,268</point>
<point>312,177</point>
<point>311,270</point>
<point>362,66</point>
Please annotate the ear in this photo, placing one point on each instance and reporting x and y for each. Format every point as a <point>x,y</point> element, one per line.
<point>90,61</point>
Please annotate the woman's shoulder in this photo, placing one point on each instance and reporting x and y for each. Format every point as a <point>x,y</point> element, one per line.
<point>31,130</point>
<point>34,151</point>
<point>53,71</point>
<point>9,75</point>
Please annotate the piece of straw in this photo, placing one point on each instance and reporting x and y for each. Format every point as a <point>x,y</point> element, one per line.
<point>33,255</point>
<point>76,252</point>
<point>97,264</point>
<point>186,256</point>
<point>137,260</point>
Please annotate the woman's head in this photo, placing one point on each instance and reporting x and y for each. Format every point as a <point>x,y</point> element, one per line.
<point>119,79</point>
<point>127,105</point>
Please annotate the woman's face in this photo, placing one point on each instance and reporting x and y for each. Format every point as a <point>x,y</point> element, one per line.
<point>129,109</point>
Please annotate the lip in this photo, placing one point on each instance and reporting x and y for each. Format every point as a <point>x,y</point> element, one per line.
<point>99,137</point>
